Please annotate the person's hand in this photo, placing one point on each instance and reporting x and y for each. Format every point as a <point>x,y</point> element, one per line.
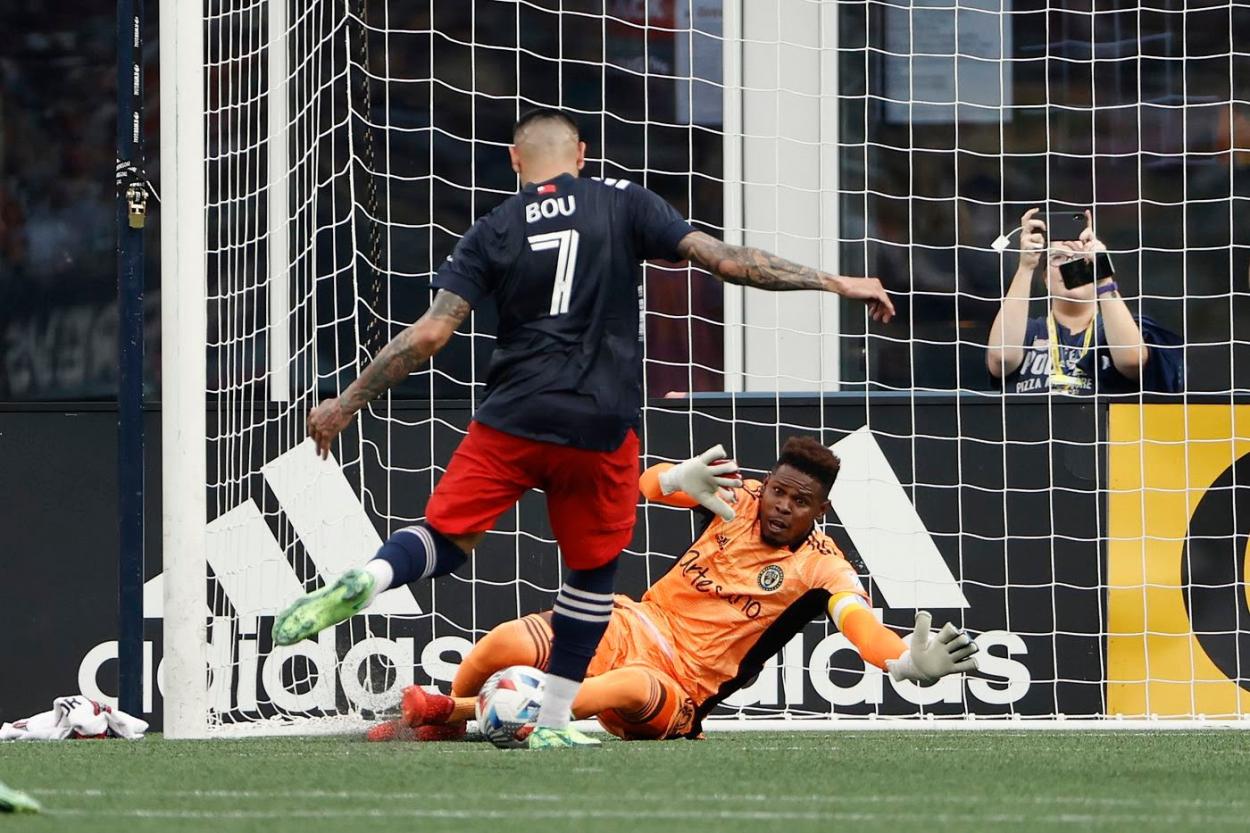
<point>871,292</point>
<point>929,658</point>
<point>1032,239</point>
<point>1090,243</point>
<point>708,478</point>
<point>325,422</point>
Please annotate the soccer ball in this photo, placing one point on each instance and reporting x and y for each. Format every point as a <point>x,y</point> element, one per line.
<point>508,705</point>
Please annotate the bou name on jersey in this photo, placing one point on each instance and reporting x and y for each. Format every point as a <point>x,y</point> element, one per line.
<point>563,261</point>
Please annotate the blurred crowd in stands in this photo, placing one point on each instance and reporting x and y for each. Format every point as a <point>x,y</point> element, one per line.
<point>1169,180</point>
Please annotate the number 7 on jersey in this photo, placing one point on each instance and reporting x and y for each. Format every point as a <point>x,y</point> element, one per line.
<point>566,263</point>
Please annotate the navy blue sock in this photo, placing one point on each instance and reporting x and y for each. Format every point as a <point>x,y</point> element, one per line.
<point>419,551</point>
<point>579,618</point>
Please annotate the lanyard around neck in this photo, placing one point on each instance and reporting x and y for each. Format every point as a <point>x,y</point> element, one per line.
<point>1058,378</point>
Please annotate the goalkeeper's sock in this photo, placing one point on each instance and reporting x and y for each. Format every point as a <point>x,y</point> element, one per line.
<point>412,553</point>
<point>579,618</point>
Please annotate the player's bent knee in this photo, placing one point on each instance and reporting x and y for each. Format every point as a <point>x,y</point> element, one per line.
<point>613,723</point>
<point>647,706</point>
<point>419,552</point>
<point>467,542</point>
<point>525,641</point>
<point>634,690</point>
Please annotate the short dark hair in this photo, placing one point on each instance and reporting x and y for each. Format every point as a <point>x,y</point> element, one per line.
<point>545,114</point>
<point>809,455</point>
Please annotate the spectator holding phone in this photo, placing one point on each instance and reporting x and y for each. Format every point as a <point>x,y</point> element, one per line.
<point>1089,341</point>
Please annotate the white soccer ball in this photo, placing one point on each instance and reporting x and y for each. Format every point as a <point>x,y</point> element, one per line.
<point>508,705</point>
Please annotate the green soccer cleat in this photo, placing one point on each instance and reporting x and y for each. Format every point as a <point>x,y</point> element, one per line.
<point>313,613</point>
<point>16,801</point>
<point>544,737</point>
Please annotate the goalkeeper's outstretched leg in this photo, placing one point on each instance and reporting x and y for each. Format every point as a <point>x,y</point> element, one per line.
<point>631,699</point>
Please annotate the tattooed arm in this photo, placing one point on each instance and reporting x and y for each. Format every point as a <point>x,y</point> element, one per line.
<point>406,352</point>
<point>748,266</point>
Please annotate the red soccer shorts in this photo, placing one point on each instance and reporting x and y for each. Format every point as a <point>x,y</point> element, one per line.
<point>591,495</point>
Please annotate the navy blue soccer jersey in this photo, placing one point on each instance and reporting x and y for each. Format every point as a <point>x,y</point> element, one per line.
<point>1033,374</point>
<point>563,260</point>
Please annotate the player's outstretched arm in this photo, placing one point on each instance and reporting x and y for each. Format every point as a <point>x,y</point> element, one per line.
<point>707,480</point>
<point>930,657</point>
<point>748,266</point>
<point>926,659</point>
<point>405,353</point>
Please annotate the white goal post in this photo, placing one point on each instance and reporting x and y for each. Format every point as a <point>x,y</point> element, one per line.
<point>320,158</point>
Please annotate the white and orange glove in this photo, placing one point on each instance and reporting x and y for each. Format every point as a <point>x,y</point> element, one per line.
<point>929,658</point>
<point>709,478</point>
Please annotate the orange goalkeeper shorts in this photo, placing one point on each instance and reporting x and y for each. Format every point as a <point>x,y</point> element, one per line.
<point>633,641</point>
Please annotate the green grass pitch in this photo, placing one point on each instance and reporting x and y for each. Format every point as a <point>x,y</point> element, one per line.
<point>747,781</point>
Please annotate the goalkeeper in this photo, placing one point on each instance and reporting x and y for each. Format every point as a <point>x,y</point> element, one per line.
<point>750,582</point>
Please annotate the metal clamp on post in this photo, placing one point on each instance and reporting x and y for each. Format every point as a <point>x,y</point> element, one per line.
<point>137,204</point>
<point>135,186</point>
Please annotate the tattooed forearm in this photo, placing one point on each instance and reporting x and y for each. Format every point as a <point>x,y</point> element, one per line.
<point>392,366</point>
<point>747,266</point>
<point>408,350</point>
<point>450,307</point>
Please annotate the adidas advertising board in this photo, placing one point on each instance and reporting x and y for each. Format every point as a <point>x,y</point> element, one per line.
<point>931,506</point>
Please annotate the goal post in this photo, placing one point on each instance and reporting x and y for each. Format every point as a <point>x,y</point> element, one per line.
<point>866,138</point>
<point>184,347</point>
<point>781,188</point>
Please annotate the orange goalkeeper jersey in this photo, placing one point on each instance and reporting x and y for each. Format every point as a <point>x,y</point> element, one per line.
<point>732,601</point>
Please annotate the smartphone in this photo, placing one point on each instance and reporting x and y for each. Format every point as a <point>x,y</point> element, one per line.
<point>1077,273</point>
<point>1063,225</point>
<point>1080,272</point>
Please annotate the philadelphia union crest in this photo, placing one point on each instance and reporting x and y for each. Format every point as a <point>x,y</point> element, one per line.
<point>770,577</point>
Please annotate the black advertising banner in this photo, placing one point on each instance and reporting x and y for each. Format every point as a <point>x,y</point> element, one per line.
<point>962,506</point>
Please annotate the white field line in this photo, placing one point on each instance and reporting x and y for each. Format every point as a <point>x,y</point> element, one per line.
<point>927,818</point>
<point>765,798</point>
<point>449,813</point>
<point>321,726</point>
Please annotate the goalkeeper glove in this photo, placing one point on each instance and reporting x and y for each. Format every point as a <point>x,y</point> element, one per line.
<point>929,658</point>
<point>708,478</point>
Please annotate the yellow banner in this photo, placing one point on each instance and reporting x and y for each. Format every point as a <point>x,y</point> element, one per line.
<point>1178,622</point>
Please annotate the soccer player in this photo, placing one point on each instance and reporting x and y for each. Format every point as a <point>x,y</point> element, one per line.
<point>736,597</point>
<point>563,393</point>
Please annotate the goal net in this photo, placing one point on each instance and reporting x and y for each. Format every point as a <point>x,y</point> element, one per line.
<point>320,159</point>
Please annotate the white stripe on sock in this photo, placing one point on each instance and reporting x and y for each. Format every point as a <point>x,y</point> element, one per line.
<point>586,595</point>
<point>431,555</point>
<point>584,617</point>
<point>585,607</point>
<point>427,543</point>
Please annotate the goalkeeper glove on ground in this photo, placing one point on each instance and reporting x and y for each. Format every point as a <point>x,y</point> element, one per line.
<point>708,478</point>
<point>930,658</point>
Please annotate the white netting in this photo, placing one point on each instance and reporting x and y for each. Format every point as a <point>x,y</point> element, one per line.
<point>350,143</point>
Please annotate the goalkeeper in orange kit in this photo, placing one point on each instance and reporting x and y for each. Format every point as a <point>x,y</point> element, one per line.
<point>760,571</point>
